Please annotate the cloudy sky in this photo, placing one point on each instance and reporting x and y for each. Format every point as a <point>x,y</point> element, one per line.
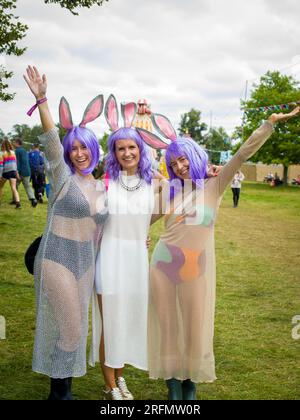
<point>177,54</point>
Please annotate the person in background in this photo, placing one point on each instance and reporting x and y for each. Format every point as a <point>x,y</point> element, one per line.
<point>277,180</point>
<point>9,171</point>
<point>143,120</point>
<point>24,171</point>
<point>37,168</point>
<point>236,187</point>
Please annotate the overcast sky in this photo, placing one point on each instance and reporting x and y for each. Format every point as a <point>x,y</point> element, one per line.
<point>177,54</point>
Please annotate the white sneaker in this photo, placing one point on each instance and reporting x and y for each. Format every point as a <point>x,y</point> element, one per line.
<point>126,394</point>
<point>112,394</point>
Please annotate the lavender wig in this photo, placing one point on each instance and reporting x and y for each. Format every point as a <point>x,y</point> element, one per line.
<point>195,154</point>
<point>88,138</point>
<point>112,165</point>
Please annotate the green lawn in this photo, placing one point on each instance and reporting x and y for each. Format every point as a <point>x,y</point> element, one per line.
<point>258,250</point>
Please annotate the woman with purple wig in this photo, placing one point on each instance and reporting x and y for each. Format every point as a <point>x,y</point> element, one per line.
<point>182,268</point>
<point>122,268</point>
<point>65,262</point>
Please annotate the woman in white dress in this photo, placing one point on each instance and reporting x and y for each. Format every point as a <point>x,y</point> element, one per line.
<point>122,267</point>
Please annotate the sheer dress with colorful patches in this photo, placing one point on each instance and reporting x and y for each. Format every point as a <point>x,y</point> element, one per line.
<point>183,278</point>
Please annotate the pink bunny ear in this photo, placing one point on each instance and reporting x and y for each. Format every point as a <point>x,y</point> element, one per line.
<point>92,111</point>
<point>128,112</point>
<point>152,139</point>
<point>65,117</point>
<point>163,126</point>
<point>111,113</point>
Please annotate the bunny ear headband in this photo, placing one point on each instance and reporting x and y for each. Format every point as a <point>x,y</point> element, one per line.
<point>111,113</point>
<point>164,128</point>
<point>160,122</point>
<point>92,111</point>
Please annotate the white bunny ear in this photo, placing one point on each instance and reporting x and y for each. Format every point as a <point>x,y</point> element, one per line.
<point>111,113</point>
<point>92,111</point>
<point>128,112</point>
<point>65,117</point>
<point>153,140</point>
<point>163,126</point>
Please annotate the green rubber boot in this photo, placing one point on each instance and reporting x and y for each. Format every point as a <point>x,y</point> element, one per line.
<point>188,390</point>
<point>175,389</point>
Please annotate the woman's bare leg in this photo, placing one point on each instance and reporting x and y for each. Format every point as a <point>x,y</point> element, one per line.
<point>108,372</point>
<point>13,186</point>
<point>119,372</point>
<point>2,182</point>
<point>163,316</point>
<point>61,288</point>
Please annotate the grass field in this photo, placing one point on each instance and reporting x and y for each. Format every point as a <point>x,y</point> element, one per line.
<point>258,294</point>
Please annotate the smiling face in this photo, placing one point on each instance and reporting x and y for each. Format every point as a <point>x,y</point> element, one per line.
<point>128,155</point>
<point>80,156</point>
<point>181,167</point>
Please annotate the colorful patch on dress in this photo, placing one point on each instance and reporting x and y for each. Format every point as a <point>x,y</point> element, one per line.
<point>161,253</point>
<point>203,216</point>
<point>178,264</point>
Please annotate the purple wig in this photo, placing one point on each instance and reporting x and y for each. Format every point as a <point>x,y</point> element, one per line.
<point>195,154</point>
<point>88,138</point>
<point>112,165</point>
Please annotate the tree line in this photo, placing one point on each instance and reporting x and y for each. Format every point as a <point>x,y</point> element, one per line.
<point>273,88</point>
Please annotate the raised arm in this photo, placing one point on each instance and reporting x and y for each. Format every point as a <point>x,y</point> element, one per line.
<point>57,168</point>
<point>251,146</point>
<point>38,87</point>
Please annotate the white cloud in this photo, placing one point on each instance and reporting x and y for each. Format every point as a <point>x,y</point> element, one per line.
<point>177,54</point>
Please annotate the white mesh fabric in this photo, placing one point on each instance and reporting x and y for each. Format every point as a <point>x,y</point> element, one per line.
<point>64,266</point>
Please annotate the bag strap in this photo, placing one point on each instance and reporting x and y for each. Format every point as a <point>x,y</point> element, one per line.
<point>106,180</point>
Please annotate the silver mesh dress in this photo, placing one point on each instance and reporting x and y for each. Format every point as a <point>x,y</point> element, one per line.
<point>65,264</point>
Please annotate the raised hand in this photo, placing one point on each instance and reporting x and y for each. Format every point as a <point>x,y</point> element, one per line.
<point>213,170</point>
<point>36,83</point>
<point>274,118</point>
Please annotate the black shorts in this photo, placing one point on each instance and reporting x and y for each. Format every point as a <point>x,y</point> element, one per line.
<point>10,175</point>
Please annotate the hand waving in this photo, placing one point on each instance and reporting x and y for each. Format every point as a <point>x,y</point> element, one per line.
<point>274,118</point>
<point>213,170</point>
<point>36,83</point>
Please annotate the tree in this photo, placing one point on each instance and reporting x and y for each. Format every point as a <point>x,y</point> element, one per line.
<point>103,143</point>
<point>190,124</point>
<point>26,133</point>
<point>217,140</point>
<point>61,131</point>
<point>284,145</point>
<point>20,131</point>
<point>12,31</point>
<point>71,5</point>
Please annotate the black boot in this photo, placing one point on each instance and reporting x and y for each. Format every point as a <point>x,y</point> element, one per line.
<point>188,390</point>
<point>175,390</point>
<point>33,202</point>
<point>60,389</point>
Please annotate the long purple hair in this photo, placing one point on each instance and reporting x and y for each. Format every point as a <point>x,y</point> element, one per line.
<point>112,165</point>
<point>86,137</point>
<point>195,154</point>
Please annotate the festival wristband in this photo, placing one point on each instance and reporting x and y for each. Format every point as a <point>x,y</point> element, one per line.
<point>38,102</point>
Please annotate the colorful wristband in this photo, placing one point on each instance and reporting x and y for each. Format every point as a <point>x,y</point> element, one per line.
<point>38,102</point>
